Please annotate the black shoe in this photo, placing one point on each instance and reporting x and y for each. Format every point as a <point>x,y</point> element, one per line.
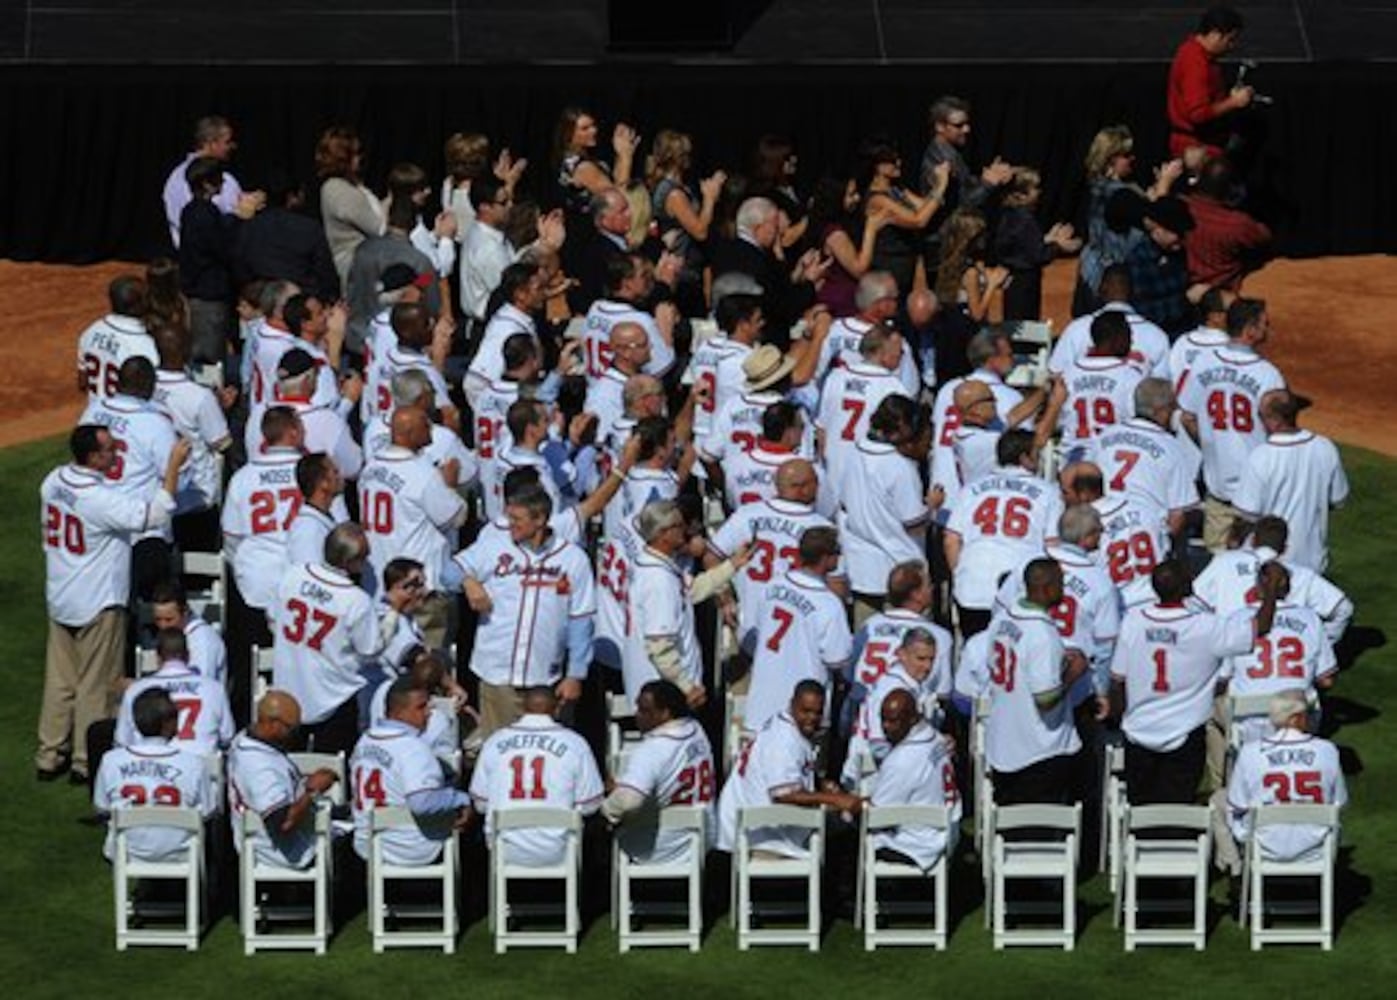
<point>78,778</point>
<point>53,775</point>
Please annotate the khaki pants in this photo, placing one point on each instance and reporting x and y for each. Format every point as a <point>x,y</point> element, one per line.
<point>434,618</point>
<point>1214,775</point>
<point>1218,516</point>
<point>82,677</point>
<point>500,705</point>
<point>865,607</point>
<point>1227,853</point>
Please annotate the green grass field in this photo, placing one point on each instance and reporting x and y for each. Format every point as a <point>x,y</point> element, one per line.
<point>56,928</point>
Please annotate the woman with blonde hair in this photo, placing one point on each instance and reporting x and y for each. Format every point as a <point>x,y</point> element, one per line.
<point>962,276</point>
<point>684,222</point>
<point>1110,162</point>
<point>351,213</point>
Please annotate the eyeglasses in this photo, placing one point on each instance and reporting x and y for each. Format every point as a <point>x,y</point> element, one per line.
<point>963,123</point>
<point>414,583</point>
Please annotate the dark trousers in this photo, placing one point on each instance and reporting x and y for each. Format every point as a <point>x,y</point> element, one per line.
<point>1168,777</point>
<point>1047,781</point>
<point>246,627</point>
<point>198,531</point>
<point>151,563</point>
<point>973,621</point>
<point>337,733</point>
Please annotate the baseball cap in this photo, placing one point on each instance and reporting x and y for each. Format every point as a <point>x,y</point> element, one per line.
<point>765,366</point>
<point>396,276</point>
<point>294,362</point>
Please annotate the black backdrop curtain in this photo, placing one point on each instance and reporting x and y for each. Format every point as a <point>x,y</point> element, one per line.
<point>86,150</point>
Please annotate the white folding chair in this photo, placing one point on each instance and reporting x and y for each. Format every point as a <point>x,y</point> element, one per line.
<point>1113,805</point>
<point>217,783</point>
<point>734,710</point>
<point>445,707</point>
<point>146,663</point>
<point>1318,863</point>
<point>381,872</point>
<point>209,376</point>
<point>1036,860</point>
<point>209,602</point>
<point>1176,858</point>
<point>187,867</point>
<point>261,675</point>
<point>749,869</point>
<point>258,915</point>
<point>872,820</point>
<point>1032,343</point>
<point>688,820</point>
<point>1242,709</point>
<point>984,788</point>
<point>503,872</point>
<point>308,763</point>
<point>620,731</point>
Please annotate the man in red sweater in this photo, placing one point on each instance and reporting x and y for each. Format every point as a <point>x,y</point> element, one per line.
<point>1225,242</point>
<point>1198,101</point>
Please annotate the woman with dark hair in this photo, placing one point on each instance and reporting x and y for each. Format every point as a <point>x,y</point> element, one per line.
<point>774,165</point>
<point>165,301</point>
<point>899,247</point>
<point>581,175</point>
<point>350,211</point>
<point>206,250</point>
<point>847,240</point>
<point>1021,245</point>
<point>963,280</point>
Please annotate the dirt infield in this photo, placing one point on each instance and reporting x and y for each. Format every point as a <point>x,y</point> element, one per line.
<point>1333,320</point>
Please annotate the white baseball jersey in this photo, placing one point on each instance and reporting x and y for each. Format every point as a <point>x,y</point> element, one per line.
<point>640,487</point>
<point>973,667</point>
<point>491,406</point>
<point>442,734</point>
<point>1224,395</point>
<point>1188,349</point>
<point>881,634</point>
<point>325,431</point>
<point>151,771</point>
<point>198,418</point>
<point>802,634</point>
<point>305,539</point>
<point>88,526</point>
<point>207,652</point>
<point>403,359</point>
<point>661,606</point>
<point>408,511</point>
<point>738,427</point>
<point>671,766</point>
<point>778,761</point>
<point>325,629</point>
<point>703,371</point>
<point>841,349</point>
<point>271,346</point>
<point>260,506</point>
<point>205,717</point>
<point>1134,537</point>
<point>1002,519</point>
<point>392,764</point>
<point>606,398</point>
<point>773,529</point>
<point>596,338</point>
<point>750,476</point>
<point>522,641</point>
<point>514,457</point>
<point>488,363</point>
<point>1295,654</point>
<point>106,345</point>
<point>1169,659</point>
<point>847,403</point>
<point>1295,475</point>
<point>264,780</point>
<point>615,578</point>
<point>1149,345</point>
<point>144,438</point>
<point>919,771</point>
<point>1087,617</point>
<point>1025,661</point>
<point>1140,458</point>
<point>883,515</point>
<point>445,444</point>
<point>1291,766</point>
<point>975,454</point>
<point>867,738</point>
<point>947,416</point>
<point>1228,584</point>
<point>534,763</point>
<point>1100,394</point>
<point>379,342</point>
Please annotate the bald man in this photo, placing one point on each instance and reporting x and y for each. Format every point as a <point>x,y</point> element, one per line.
<point>630,352</point>
<point>262,778</point>
<point>410,509</point>
<point>973,441</point>
<point>1295,475</point>
<point>919,770</point>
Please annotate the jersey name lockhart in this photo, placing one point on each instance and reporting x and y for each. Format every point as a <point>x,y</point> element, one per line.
<point>791,597</point>
<point>1230,376</point>
<point>147,768</point>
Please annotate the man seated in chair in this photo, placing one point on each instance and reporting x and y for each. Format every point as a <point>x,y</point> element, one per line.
<point>536,762</point>
<point>1289,766</point>
<point>778,768</point>
<point>205,718</point>
<point>394,766</point>
<point>919,770</point>
<point>262,778</point>
<point>152,771</point>
<point>671,766</point>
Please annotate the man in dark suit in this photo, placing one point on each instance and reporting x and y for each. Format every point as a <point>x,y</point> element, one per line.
<point>787,291</point>
<point>603,243</point>
<point>284,244</point>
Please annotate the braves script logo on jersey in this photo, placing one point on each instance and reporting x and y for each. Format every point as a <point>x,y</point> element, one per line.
<point>534,576</point>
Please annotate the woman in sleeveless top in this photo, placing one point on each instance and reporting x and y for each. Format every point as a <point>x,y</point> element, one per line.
<point>773,176</point>
<point>898,249</point>
<point>845,239</point>
<point>683,221</point>
<point>962,276</point>
<point>580,175</point>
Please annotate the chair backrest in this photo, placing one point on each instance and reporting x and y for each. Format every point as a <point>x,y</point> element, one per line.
<point>681,818</point>
<point>618,706</point>
<point>1249,706</point>
<point>391,818</point>
<point>1307,813</point>
<point>1173,816</point>
<point>309,763</point>
<point>170,817</point>
<point>262,659</point>
<point>251,823</point>
<point>208,564</point>
<point>1042,817</point>
<point>537,817</point>
<point>883,817</point>
<point>146,663</point>
<point>756,817</point>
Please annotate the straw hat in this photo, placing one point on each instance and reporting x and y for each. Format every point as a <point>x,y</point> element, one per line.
<point>765,366</point>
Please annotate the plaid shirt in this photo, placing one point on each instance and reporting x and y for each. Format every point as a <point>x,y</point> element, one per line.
<point>1158,283</point>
